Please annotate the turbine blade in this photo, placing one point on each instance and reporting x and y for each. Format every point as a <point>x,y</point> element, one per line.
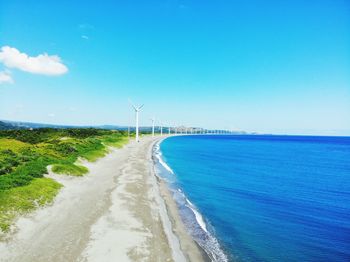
<point>132,104</point>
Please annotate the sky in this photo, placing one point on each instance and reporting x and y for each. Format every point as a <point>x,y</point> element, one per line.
<point>278,67</point>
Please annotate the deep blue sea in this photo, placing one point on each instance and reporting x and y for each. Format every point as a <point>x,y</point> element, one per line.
<point>262,198</point>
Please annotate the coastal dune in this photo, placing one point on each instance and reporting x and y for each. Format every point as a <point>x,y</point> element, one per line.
<point>120,211</point>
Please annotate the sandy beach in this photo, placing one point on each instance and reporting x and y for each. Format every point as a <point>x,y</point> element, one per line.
<point>120,211</point>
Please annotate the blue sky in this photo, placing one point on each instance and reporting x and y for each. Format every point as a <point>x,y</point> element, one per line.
<point>265,66</point>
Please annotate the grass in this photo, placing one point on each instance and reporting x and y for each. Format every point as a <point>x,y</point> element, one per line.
<point>21,200</point>
<point>92,149</point>
<point>12,144</point>
<point>117,142</point>
<point>25,155</point>
<point>92,156</point>
<point>69,169</point>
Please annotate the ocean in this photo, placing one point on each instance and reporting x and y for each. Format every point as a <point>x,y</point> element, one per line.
<point>262,198</point>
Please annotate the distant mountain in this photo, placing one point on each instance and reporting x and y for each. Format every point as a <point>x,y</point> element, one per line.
<point>23,125</point>
<point>5,126</point>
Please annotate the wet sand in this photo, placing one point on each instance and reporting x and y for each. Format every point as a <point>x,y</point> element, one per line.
<point>120,211</point>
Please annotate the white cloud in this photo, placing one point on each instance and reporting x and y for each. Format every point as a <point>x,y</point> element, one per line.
<point>85,37</point>
<point>51,115</point>
<point>42,64</point>
<point>5,77</point>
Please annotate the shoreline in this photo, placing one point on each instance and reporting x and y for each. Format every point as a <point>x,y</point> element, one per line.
<point>191,249</point>
<point>186,241</point>
<point>183,212</point>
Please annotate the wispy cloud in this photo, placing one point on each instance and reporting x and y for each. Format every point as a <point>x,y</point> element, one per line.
<point>6,77</point>
<point>85,30</point>
<point>42,64</point>
<point>85,26</point>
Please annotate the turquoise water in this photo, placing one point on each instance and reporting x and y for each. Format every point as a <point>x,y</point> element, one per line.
<point>262,198</point>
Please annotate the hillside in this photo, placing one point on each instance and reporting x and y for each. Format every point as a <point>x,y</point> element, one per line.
<point>6,126</point>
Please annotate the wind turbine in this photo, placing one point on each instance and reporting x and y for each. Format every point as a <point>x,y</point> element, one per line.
<point>153,120</point>
<point>137,110</point>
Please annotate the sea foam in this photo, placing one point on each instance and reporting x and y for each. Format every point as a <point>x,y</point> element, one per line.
<point>158,155</point>
<point>198,216</point>
<point>195,224</point>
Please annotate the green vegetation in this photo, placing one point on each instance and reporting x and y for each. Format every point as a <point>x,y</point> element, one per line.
<point>69,169</point>
<point>20,200</point>
<point>25,155</point>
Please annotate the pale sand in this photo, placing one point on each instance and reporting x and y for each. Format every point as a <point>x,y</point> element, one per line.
<point>120,211</point>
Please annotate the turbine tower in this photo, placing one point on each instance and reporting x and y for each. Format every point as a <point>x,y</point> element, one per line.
<point>137,110</point>
<point>153,120</point>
